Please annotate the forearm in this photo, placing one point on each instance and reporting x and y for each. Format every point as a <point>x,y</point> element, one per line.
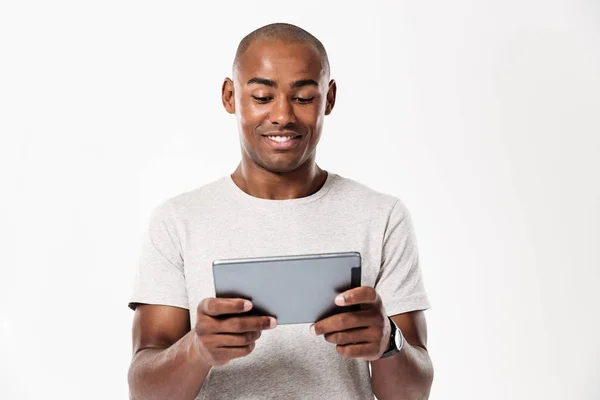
<point>175,373</point>
<point>407,375</point>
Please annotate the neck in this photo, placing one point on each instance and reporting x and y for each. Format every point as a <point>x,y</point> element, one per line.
<point>265,184</point>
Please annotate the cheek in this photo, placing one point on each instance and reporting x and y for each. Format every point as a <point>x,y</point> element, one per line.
<point>252,112</point>
<point>311,115</point>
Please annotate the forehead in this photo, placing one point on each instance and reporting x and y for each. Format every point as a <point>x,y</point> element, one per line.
<point>278,60</point>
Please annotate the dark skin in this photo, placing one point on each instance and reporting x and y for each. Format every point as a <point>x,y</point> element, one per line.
<point>277,88</point>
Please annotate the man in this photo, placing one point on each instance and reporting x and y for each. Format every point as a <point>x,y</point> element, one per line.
<point>188,344</point>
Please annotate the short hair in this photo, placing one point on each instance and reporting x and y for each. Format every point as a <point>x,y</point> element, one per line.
<point>285,32</point>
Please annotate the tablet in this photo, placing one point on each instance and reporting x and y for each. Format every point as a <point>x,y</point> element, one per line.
<point>293,289</point>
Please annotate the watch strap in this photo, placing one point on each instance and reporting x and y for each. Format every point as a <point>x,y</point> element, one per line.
<point>393,348</point>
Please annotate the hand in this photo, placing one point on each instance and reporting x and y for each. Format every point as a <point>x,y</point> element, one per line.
<point>222,334</point>
<point>360,334</point>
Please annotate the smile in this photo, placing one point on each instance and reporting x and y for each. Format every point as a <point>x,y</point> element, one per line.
<point>282,142</point>
<point>281,139</point>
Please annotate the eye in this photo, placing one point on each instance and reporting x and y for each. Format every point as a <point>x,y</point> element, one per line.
<point>262,100</point>
<point>303,100</point>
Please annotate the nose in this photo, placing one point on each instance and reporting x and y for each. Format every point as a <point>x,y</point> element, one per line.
<point>282,112</point>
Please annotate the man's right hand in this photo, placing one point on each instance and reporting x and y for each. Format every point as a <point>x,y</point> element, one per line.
<point>223,333</point>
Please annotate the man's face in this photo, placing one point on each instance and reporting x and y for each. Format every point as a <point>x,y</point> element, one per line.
<point>280,97</point>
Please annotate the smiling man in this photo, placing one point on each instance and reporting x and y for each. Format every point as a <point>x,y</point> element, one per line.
<point>187,344</point>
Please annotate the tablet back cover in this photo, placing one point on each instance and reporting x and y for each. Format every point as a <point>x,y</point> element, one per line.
<point>293,289</point>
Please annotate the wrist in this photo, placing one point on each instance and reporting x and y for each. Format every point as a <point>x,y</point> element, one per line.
<point>196,351</point>
<point>395,341</point>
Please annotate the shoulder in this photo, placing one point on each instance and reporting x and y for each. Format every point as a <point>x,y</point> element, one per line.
<point>362,195</point>
<point>191,201</point>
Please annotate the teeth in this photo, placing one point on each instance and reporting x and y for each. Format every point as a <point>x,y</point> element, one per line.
<point>281,138</point>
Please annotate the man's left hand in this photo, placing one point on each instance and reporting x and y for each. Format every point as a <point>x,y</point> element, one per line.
<point>360,334</point>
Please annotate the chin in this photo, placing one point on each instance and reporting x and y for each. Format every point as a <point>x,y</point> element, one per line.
<point>280,167</point>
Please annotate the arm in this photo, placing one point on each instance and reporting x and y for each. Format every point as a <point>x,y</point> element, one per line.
<point>365,334</point>
<point>171,360</point>
<point>408,374</point>
<point>166,362</point>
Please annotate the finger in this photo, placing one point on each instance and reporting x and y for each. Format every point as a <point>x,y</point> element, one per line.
<point>235,339</point>
<point>345,321</point>
<point>359,335</point>
<point>225,354</point>
<point>359,295</point>
<point>219,306</point>
<point>245,324</point>
<point>362,350</point>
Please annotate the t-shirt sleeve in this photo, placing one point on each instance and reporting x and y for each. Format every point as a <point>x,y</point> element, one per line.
<point>159,277</point>
<point>400,281</point>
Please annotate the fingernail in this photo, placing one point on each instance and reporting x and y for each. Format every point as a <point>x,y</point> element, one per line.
<point>247,306</point>
<point>339,300</point>
<point>312,330</point>
<point>273,323</point>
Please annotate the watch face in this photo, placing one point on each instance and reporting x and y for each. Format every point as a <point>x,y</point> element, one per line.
<point>398,339</point>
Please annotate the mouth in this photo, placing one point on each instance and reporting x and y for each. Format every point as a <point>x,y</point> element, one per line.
<point>282,141</point>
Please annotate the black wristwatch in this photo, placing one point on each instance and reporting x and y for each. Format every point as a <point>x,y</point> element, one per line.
<point>396,340</point>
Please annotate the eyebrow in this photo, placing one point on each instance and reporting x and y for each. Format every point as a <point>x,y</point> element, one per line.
<point>273,84</point>
<point>304,82</point>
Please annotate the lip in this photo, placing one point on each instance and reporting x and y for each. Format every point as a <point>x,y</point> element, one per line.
<point>286,133</point>
<point>286,145</point>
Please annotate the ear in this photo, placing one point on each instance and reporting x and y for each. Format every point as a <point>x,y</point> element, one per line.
<point>228,96</point>
<point>331,92</point>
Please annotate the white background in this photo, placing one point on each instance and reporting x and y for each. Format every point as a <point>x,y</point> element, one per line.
<point>483,116</point>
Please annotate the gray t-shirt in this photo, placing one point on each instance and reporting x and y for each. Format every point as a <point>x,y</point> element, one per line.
<point>219,220</point>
